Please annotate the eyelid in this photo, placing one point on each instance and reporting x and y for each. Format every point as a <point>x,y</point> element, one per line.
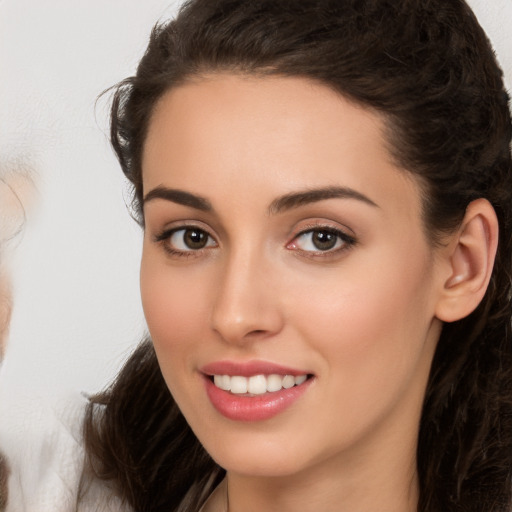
<point>326,224</point>
<point>176,243</point>
<point>349,240</point>
<point>169,227</point>
<point>164,235</point>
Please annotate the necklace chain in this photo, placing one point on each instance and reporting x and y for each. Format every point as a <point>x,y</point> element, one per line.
<point>226,507</point>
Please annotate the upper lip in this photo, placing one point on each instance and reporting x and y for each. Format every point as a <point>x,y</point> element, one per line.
<point>249,368</point>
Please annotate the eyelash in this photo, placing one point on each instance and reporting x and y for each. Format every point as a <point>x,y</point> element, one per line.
<point>347,241</point>
<point>164,239</point>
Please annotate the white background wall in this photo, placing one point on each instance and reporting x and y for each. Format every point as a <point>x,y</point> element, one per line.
<point>75,272</point>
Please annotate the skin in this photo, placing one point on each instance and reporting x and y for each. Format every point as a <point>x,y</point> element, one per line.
<point>16,196</point>
<point>5,310</point>
<point>360,318</point>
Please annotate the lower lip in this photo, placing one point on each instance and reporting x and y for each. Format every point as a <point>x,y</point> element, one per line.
<point>253,408</point>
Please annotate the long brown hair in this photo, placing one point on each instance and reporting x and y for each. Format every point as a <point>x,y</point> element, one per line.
<point>428,68</point>
<point>4,474</point>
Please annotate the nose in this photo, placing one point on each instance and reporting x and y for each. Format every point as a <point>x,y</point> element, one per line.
<point>246,305</point>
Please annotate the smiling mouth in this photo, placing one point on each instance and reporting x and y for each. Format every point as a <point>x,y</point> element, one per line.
<point>257,384</point>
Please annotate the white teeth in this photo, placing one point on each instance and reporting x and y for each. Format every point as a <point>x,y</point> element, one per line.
<point>257,384</point>
<point>222,382</point>
<point>288,381</point>
<point>300,379</point>
<point>274,383</point>
<point>239,384</point>
<point>226,382</point>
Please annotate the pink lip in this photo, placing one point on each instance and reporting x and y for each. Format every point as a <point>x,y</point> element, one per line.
<point>257,407</point>
<point>249,368</point>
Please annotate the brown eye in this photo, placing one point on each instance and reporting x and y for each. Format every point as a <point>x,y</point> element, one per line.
<point>190,239</point>
<point>195,239</point>
<point>322,240</point>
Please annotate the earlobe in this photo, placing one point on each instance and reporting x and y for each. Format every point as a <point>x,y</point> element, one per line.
<point>470,257</point>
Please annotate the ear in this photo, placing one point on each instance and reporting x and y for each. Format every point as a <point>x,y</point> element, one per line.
<point>470,258</point>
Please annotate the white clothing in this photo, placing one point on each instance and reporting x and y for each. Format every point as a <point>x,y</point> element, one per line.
<point>42,442</point>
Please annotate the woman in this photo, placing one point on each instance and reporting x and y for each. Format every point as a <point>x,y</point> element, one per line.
<point>325,189</point>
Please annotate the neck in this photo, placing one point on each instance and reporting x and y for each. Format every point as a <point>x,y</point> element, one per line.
<point>329,493</point>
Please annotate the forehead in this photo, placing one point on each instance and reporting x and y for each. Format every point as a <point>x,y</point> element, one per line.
<point>277,110</point>
<point>224,131</point>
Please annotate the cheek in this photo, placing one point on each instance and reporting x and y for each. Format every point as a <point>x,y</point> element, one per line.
<point>372,335</point>
<point>173,314</point>
<point>174,307</point>
<point>372,320</point>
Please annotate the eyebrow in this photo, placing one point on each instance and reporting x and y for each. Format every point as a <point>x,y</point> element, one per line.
<point>179,197</point>
<point>283,203</point>
<point>297,199</point>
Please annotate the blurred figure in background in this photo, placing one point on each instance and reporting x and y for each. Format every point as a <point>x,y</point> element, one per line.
<point>14,188</point>
<point>15,191</point>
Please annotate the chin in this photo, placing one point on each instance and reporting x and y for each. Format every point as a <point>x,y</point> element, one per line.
<point>260,454</point>
<point>259,465</point>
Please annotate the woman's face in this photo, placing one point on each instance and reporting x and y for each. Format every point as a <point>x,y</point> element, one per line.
<point>281,239</point>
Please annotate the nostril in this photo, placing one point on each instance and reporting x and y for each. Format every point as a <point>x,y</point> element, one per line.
<point>237,321</point>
